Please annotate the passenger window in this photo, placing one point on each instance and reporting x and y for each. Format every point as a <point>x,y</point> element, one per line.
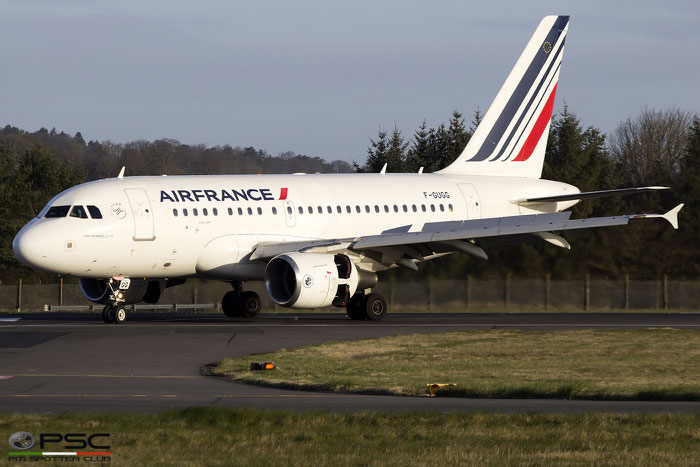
<point>301,210</point>
<point>319,209</point>
<point>386,208</point>
<point>310,209</point>
<point>175,212</point>
<point>260,211</point>
<point>422,206</point>
<point>205,212</point>
<point>405,209</point>
<point>339,209</point>
<point>449,206</point>
<point>442,208</point>
<point>415,209</point>
<point>195,212</point>
<point>215,211</point>
<point>184,212</point>
<point>347,209</point>
<point>329,209</point>
<point>376,208</point>
<point>78,211</point>
<point>57,211</point>
<point>289,210</point>
<point>357,208</point>
<point>240,211</point>
<point>95,212</point>
<point>432,207</point>
<point>250,211</point>
<point>274,210</point>
<point>230,212</point>
<point>367,208</point>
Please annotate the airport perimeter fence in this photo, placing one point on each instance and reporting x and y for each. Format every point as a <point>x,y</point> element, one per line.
<point>434,295</point>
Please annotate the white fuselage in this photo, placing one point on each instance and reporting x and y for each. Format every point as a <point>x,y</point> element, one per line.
<point>207,226</point>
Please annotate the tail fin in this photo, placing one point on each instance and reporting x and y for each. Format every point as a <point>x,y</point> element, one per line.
<point>512,137</point>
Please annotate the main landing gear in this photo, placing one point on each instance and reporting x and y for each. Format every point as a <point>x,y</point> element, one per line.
<point>367,307</point>
<point>241,304</point>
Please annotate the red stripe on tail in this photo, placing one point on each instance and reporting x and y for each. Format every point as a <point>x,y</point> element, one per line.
<point>538,129</point>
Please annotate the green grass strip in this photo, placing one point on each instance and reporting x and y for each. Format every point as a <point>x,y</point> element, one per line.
<point>209,436</point>
<point>649,364</point>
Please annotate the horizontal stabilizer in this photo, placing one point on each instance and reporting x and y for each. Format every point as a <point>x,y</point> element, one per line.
<point>671,216</point>
<point>588,195</point>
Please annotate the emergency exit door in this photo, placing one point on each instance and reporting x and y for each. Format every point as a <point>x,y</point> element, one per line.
<point>142,214</point>
<point>471,198</point>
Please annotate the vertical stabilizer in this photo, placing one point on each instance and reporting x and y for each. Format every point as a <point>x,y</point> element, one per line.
<point>512,137</point>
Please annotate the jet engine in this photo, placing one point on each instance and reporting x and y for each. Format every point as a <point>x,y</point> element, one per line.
<point>311,280</point>
<point>139,290</point>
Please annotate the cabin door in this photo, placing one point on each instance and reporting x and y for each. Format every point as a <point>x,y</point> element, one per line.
<point>142,213</point>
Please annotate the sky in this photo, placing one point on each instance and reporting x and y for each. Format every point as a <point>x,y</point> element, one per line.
<point>318,77</point>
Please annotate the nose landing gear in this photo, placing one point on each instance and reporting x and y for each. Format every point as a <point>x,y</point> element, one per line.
<point>114,314</point>
<point>240,304</point>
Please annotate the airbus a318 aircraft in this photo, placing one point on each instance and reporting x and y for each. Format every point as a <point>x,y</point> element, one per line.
<point>319,240</point>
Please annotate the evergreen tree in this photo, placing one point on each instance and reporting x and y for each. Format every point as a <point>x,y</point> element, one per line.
<point>396,152</point>
<point>419,152</point>
<point>377,152</point>
<point>458,137</point>
<point>439,149</point>
<point>476,120</point>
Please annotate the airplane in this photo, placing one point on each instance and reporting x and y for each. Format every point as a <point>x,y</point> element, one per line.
<point>320,240</point>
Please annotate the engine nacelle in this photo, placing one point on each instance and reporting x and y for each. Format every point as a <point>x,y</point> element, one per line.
<point>311,280</point>
<point>140,290</point>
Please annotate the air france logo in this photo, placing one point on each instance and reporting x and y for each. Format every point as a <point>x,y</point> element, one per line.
<point>251,194</point>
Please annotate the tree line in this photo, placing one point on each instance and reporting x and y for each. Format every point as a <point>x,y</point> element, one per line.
<point>657,147</point>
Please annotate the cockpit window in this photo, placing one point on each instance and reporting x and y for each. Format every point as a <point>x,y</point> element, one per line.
<point>94,212</point>
<point>78,211</point>
<point>57,211</point>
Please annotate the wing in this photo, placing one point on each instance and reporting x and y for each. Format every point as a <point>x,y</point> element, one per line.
<point>404,247</point>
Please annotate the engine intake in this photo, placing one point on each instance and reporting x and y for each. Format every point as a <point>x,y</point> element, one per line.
<point>311,280</point>
<point>140,290</point>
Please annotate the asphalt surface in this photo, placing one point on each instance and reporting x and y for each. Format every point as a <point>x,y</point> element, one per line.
<point>56,362</point>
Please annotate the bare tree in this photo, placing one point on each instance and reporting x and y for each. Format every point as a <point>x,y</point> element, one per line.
<point>649,147</point>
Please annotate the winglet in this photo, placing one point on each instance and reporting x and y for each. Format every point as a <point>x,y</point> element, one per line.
<point>383,171</point>
<point>121,173</point>
<point>672,215</point>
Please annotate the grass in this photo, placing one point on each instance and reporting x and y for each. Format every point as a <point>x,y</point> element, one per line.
<point>650,364</point>
<point>208,436</point>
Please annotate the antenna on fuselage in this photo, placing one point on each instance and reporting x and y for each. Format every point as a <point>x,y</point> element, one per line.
<point>121,173</point>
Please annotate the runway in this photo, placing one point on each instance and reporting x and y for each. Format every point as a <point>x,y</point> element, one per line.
<point>73,362</point>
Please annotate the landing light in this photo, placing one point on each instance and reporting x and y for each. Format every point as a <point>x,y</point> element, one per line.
<point>434,387</point>
<point>258,366</point>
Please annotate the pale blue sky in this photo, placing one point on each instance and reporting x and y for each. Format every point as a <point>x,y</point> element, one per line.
<point>319,77</point>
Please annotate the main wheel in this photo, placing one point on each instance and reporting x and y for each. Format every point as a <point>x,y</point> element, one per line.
<point>105,314</point>
<point>355,307</point>
<point>249,304</point>
<point>229,304</point>
<point>119,315</point>
<point>375,307</point>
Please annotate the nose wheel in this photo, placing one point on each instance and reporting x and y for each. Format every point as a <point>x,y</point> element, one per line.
<point>114,314</point>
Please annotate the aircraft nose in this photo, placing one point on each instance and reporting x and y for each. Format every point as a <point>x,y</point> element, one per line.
<point>31,245</point>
